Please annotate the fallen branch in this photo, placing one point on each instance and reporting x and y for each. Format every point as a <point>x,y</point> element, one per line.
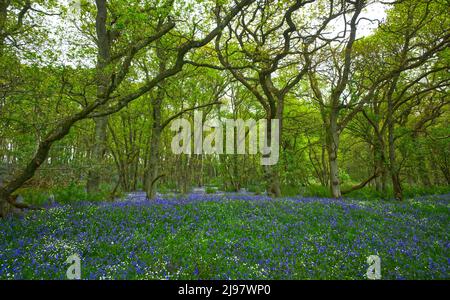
<point>362,184</point>
<point>12,200</point>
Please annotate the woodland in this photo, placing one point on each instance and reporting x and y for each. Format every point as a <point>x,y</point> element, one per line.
<point>90,92</point>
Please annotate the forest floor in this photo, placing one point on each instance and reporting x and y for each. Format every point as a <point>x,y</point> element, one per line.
<point>230,236</point>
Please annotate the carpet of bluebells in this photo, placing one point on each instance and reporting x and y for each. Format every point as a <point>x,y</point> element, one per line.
<point>230,236</point>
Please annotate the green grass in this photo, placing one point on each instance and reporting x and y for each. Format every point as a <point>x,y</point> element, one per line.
<point>71,193</point>
<point>367,192</point>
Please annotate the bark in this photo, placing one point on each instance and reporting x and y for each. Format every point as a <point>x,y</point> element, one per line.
<point>377,165</point>
<point>153,163</point>
<point>103,55</point>
<point>324,164</point>
<point>380,165</point>
<point>5,207</point>
<point>393,167</point>
<point>3,18</point>
<point>332,147</point>
<point>271,172</point>
<point>98,154</point>
<point>273,181</point>
<point>152,175</point>
<point>275,111</point>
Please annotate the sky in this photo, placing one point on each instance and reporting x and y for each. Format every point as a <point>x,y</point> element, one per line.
<point>375,11</point>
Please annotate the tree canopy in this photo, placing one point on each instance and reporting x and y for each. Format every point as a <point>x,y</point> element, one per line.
<point>89,90</point>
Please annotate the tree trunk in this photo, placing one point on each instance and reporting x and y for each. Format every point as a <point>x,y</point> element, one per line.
<point>378,180</point>
<point>273,181</point>
<point>98,154</point>
<point>5,207</point>
<point>333,146</point>
<point>153,163</point>
<point>103,55</point>
<point>38,159</point>
<point>3,18</point>
<point>380,166</point>
<point>271,171</point>
<point>393,168</point>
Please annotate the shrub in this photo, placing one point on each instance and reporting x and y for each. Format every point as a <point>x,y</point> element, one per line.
<point>211,189</point>
<point>290,190</point>
<point>69,194</point>
<point>257,189</point>
<point>34,196</point>
<point>314,191</point>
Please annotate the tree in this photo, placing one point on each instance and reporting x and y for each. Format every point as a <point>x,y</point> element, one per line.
<point>102,106</point>
<point>253,53</point>
<point>330,96</point>
<point>408,67</point>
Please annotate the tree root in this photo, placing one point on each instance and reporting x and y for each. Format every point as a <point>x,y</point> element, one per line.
<point>11,207</point>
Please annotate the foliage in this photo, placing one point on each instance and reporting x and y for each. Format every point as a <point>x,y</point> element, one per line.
<point>69,194</point>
